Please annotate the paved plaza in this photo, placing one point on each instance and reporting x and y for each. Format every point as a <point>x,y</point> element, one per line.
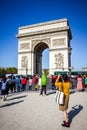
<point>29,111</point>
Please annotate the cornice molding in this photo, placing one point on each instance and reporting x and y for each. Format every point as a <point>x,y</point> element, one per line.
<point>44,23</point>
<point>23,52</point>
<point>62,48</point>
<point>43,32</point>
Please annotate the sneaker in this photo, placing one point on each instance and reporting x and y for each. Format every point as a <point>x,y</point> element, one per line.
<point>40,94</point>
<point>66,124</point>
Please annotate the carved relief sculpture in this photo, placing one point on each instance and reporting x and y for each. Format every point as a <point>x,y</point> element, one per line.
<point>46,40</point>
<point>59,60</point>
<point>24,61</point>
<point>24,46</point>
<point>58,42</point>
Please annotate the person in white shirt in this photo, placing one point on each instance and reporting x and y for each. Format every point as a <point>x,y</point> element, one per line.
<point>30,82</point>
<point>39,83</point>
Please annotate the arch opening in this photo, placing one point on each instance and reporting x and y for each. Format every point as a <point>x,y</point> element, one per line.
<point>38,51</point>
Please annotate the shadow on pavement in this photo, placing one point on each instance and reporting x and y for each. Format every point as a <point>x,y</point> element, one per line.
<point>10,104</point>
<point>75,110</point>
<point>53,92</point>
<point>17,97</point>
<point>71,92</point>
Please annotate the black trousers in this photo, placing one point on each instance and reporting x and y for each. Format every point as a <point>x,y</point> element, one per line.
<point>43,88</point>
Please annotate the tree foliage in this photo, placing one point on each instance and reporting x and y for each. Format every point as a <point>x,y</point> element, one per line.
<point>46,71</point>
<point>12,70</point>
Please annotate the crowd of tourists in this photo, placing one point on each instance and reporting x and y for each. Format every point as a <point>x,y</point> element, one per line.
<point>12,84</point>
<point>79,82</point>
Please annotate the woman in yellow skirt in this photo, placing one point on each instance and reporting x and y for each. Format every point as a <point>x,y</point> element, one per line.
<point>63,84</point>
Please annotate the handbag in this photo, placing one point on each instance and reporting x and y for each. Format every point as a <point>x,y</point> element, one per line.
<point>59,97</point>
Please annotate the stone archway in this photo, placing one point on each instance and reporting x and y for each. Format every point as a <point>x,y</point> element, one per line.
<point>33,39</point>
<point>38,49</point>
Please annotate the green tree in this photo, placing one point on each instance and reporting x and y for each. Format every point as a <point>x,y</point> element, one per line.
<point>46,71</point>
<point>2,70</point>
<point>11,70</point>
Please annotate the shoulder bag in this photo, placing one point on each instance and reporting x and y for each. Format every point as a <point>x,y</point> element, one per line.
<point>59,97</point>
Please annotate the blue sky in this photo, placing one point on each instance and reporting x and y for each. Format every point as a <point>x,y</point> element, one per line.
<point>16,13</point>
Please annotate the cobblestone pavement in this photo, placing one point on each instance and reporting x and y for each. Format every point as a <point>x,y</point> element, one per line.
<point>29,111</point>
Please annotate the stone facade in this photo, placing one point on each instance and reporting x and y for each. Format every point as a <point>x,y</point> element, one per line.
<point>33,39</point>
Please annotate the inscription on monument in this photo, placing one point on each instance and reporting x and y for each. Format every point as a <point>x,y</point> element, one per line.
<point>59,60</point>
<point>58,42</point>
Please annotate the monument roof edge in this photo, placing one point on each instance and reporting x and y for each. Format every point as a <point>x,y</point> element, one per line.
<point>44,23</point>
<point>44,31</point>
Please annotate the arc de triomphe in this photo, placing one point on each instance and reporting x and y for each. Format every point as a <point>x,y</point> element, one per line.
<point>33,39</point>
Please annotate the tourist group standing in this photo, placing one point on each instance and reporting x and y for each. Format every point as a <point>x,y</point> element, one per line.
<point>12,84</point>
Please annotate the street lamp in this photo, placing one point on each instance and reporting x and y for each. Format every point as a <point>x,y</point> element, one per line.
<point>26,70</point>
<point>25,64</point>
<point>63,68</point>
<point>70,68</point>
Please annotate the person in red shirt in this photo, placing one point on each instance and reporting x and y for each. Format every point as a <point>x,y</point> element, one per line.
<point>23,82</point>
<point>35,81</point>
